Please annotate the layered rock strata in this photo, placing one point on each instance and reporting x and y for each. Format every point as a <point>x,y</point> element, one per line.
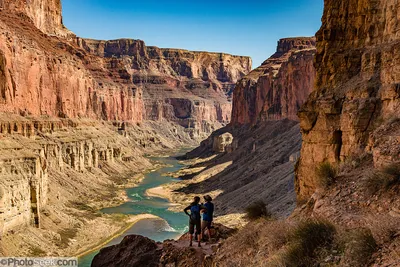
<point>357,88</point>
<point>277,88</point>
<point>192,89</point>
<point>41,75</point>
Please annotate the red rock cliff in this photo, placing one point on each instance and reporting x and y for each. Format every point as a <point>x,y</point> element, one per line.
<point>190,88</point>
<point>46,15</point>
<point>357,90</point>
<point>41,75</point>
<point>277,88</point>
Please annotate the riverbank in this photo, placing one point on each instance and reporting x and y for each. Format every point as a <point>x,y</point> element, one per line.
<point>135,219</point>
<point>151,214</point>
<point>189,175</point>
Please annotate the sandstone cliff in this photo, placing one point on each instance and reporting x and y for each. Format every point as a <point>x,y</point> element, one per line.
<point>45,14</point>
<point>356,89</point>
<point>277,88</point>
<point>42,75</point>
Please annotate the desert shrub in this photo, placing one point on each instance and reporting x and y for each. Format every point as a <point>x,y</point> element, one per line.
<point>326,174</point>
<point>257,210</point>
<point>36,251</point>
<point>358,246</point>
<point>393,173</point>
<point>66,235</point>
<point>384,179</point>
<point>274,235</point>
<point>306,240</point>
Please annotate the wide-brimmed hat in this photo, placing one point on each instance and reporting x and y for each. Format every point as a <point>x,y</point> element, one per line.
<point>208,198</point>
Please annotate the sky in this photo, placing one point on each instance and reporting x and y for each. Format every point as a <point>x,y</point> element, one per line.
<point>247,28</point>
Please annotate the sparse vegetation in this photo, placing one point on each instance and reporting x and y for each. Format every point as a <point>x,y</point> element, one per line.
<point>257,241</point>
<point>307,239</point>
<point>384,179</point>
<point>358,246</point>
<point>66,235</point>
<point>82,206</point>
<point>257,210</point>
<point>37,251</point>
<point>326,174</point>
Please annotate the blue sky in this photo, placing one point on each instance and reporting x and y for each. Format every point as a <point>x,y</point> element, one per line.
<point>248,27</point>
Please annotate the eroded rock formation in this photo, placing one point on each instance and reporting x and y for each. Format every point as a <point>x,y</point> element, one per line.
<point>357,88</point>
<point>45,14</point>
<point>277,88</point>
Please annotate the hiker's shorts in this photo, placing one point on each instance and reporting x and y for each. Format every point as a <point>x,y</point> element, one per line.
<point>205,224</point>
<point>192,225</point>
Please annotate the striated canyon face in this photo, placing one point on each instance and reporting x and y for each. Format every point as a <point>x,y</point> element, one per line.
<point>45,14</point>
<point>277,88</point>
<point>192,89</point>
<point>357,95</point>
<point>46,76</point>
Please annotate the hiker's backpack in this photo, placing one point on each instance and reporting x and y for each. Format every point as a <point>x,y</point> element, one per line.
<point>195,213</point>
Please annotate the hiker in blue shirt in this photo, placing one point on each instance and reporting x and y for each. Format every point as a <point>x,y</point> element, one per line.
<point>208,216</point>
<point>195,219</point>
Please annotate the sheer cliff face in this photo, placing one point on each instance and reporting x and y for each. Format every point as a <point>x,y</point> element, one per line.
<point>192,89</point>
<point>45,76</point>
<point>45,14</point>
<point>357,87</point>
<point>277,88</point>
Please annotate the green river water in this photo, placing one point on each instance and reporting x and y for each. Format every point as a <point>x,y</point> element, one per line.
<point>173,224</point>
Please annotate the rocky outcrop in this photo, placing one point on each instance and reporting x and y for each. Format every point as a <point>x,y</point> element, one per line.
<point>140,251</point>
<point>277,88</point>
<point>134,250</point>
<point>357,88</point>
<point>190,88</point>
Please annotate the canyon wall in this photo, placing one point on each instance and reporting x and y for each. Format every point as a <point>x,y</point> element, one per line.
<point>46,15</point>
<point>190,88</point>
<point>357,88</point>
<point>42,75</point>
<point>277,88</point>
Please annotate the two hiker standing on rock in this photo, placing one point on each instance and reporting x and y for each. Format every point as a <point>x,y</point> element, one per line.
<point>196,209</point>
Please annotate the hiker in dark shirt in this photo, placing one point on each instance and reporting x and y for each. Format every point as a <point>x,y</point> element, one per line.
<point>208,216</point>
<point>195,219</point>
